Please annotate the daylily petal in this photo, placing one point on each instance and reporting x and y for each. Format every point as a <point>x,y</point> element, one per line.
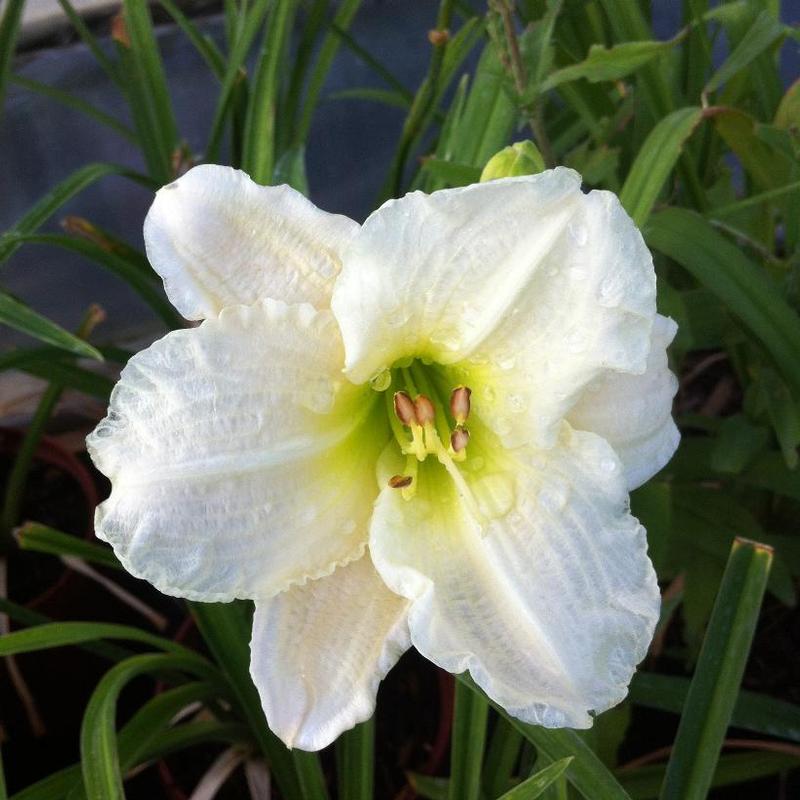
<point>551,603</point>
<point>534,285</point>
<point>218,239</point>
<point>320,650</point>
<point>238,456</point>
<point>634,412</point>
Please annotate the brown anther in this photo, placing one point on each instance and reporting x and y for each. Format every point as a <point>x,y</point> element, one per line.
<point>404,408</point>
<point>400,481</point>
<point>424,410</point>
<point>459,439</point>
<point>459,404</point>
<point>439,37</point>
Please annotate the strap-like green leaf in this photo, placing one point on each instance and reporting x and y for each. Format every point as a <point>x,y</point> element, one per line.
<point>355,761</point>
<point>748,292</point>
<point>17,315</point>
<point>718,675</point>
<point>753,711</point>
<point>466,743</point>
<point>534,786</point>
<point>586,772</point>
<point>610,63</point>
<point>761,34</point>
<point>655,162</point>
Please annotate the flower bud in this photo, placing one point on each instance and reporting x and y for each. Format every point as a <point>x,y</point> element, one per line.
<point>459,403</point>
<point>520,158</point>
<point>404,408</point>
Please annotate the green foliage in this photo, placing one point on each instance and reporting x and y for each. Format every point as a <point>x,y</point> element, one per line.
<point>705,155</point>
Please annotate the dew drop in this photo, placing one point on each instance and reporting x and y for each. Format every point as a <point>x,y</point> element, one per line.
<point>308,515</point>
<point>608,465</point>
<point>516,403</point>
<point>502,426</point>
<point>552,272</point>
<point>476,463</point>
<point>489,394</point>
<point>495,494</point>
<point>578,233</point>
<point>381,381</point>
<point>554,496</point>
<point>348,526</point>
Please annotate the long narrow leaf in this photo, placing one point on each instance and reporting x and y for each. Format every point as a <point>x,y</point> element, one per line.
<point>467,741</point>
<point>17,315</point>
<point>718,675</point>
<point>62,193</point>
<point>753,711</point>
<point>9,28</point>
<point>44,539</point>
<point>59,634</point>
<point>226,630</point>
<point>655,161</point>
<point>72,101</point>
<point>355,761</point>
<point>719,265</point>
<point>538,783</point>
<point>102,775</point>
<point>586,772</point>
<point>123,268</point>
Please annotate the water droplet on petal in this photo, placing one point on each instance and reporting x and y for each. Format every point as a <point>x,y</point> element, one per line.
<point>608,465</point>
<point>495,494</point>
<point>578,233</point>
<point>381,381</point>
<point>553,496</point>
<point>516,403</point>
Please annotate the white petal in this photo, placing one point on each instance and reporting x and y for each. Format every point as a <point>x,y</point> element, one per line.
<point>319,652</point>
<point>534,286</point>
<point>634,412</point>
<point>218,239</point>
<point>551,603</point>
<point>238,455</point>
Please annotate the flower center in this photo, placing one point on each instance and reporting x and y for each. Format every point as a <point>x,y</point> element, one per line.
<point>424,424</point>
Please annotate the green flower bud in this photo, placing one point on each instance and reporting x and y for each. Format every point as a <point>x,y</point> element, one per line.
<point>520,158</point>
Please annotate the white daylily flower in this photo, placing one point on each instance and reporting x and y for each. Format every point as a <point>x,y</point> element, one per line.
<point>304,446</point>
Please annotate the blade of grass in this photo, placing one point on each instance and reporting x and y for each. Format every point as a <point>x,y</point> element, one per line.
<point>61,634</point>
<point>25,616</point>
<point>753,711</point>
<point>470,716</point>
<point>17,315</point>
<point>765,30</point>
<point>9,28</point>
<point>44,539</point>
<point>102,775</point>
<point>204,44</point>
<point>226,630</point>
<point>71,101</point>
<point>586,773</point>
<point>689,239</point>
<point>655,161</point>
<point>15,484</point>
<point>62,193</point>
<point>145,51</point>
<point>330,44</point>
<point>501,758</point>
<point>258,151</point>
<point>534,786</point>
<point>132,273</point>
<point>57,365</point>
<point>3,789</point>
<point>643,782</point>
<point>248,26</point>
<point>753,200</point>
<point>718,675</point>
<point>355,761</point>
<point>90,40</point>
